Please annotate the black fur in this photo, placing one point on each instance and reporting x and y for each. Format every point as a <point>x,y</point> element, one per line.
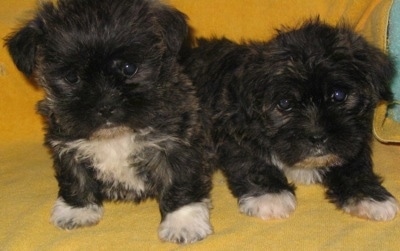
<point>110,74</point>
<point>304,101</point>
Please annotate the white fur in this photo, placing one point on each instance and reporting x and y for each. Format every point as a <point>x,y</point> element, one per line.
<point>110,158</point>
<point>188,224</point>
<point>114,156</point>
<point>373,210</point>
<point>269,206</point>
<point>67,217</point>
<point>304,176</point>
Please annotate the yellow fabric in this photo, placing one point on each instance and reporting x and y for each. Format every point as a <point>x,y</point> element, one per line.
<point>28,188</point>
<point>386,129</point>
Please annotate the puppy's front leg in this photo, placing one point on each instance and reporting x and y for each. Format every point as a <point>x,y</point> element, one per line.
<point>261,188</point>
<point>185,204</point>
<point>79,200</point>
<point>357,190</point>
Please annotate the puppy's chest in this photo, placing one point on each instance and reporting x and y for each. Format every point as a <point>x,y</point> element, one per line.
<point>118,164</point>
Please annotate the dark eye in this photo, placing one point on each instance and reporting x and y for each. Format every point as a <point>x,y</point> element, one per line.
<point>338,95</point>
<point>129,70</point>
<point>72,78</point>
<point>285,104</point>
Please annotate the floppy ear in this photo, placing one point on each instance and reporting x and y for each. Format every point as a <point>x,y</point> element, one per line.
<point>174,27</point>
<point>375,64</point>
<point>22,46</point>
<point>381,72</point>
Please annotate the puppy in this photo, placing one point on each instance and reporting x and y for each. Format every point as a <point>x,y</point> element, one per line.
<point>123,121</point>
<point>296,108</point>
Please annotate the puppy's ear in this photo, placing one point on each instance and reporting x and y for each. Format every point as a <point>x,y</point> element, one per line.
<point>22,46</point>
<point>377,66</point>
<point>174,27</point>
<point>381,72</point>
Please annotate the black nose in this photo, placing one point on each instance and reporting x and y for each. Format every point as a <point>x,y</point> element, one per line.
<point>318,138</point>
<point>106,111</point>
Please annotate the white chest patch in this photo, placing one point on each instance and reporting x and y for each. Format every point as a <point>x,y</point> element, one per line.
<point>113,158</point>
<point>304,176</point>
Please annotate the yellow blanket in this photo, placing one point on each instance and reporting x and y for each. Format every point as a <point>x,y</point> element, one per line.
<point>28,188</point>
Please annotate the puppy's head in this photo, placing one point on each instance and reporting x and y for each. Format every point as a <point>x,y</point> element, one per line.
<point>316,90</point>
<point>101,62</point>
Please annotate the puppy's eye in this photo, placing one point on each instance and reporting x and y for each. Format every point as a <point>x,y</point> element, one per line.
<point>129,70</point>
<point>285,105</point>
<point>72,78</point>
<point>338,95</point>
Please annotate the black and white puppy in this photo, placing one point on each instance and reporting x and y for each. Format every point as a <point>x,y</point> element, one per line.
<point>123,122</point>
<point>298,107</point>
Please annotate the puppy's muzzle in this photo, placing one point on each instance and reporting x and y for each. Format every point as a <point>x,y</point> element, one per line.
<point>318,138</point>
<point>109,114</point>
<point>109,105</point>
<point>106,111</point>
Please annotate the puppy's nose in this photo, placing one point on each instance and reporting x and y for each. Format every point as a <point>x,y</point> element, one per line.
<point>106,111</point>
<point>318,138</point>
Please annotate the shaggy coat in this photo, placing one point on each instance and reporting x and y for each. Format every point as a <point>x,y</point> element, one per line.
<point>297,108</point>
<point>122,120</point>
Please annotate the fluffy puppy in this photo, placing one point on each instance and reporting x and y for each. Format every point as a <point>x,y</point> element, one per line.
<point>123,122</point>
<point>296,108</point>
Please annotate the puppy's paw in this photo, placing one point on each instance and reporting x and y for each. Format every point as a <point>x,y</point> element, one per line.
<point>269,206</point>
<point>188,224</point>
<point>373,210</point>
<point>67,217</point>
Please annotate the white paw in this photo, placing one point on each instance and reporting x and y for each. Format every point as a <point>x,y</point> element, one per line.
<point>67,217</point>
<point>269,206</point>
<point>373,210</point>
<point>188,224</point>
